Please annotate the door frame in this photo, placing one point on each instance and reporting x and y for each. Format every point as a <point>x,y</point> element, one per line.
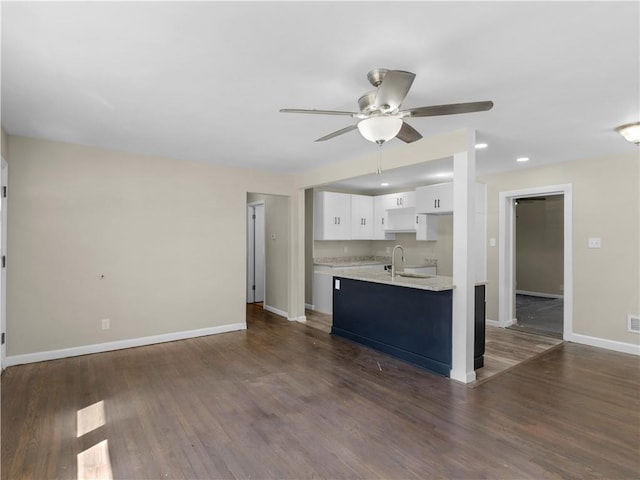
<point>251,251</point>
<point>506,253</point>
<point>4,176</point>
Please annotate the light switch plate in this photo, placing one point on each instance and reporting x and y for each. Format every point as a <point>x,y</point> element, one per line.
<point>492,242</point>
<point>594,242</point>
<point>337,284</point>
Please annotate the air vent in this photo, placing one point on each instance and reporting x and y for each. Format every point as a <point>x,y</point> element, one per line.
<point>633,323</point>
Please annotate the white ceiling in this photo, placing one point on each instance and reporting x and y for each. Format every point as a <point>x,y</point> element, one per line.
<point>205,81</point>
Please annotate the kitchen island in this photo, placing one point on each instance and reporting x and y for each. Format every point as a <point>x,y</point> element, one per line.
<point>407,317</point>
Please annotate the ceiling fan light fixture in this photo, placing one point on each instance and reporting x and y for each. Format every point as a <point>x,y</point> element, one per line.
<point>380,129</point>
<point>631,132</point>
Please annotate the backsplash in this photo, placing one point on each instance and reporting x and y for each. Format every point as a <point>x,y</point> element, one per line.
<point>415,252</point>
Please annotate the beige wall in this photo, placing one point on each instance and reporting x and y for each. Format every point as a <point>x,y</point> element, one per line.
<point>4,144</point>
<point>539,245</point>
<point>169,236</point>
<point>276,222</point>
<point>308,246</point>
<point>606,204</point>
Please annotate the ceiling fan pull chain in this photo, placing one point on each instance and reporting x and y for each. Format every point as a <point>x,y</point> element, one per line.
<point>379,156</point>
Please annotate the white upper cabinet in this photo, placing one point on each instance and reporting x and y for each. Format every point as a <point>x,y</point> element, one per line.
<point>362,217</point>
<point>426,227</point>
<point>332,216</point>
<point>401,200</point>
<point>435,199</point>
<point>381,217</point>
<point>438,199</point>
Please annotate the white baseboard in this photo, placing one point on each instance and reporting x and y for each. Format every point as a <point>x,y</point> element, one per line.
<point>492,323</point>
<point>120,344</point>
<point>538,294</point>
<point>301,319</point>
<point>309,306</point>
<point>633,349</point>
<point>275,310</point>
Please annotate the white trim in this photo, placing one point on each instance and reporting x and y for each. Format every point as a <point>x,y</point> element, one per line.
<point>492,323</point>
<point>277,311</point>
<point>3,251</point>
<point>309,306</point>
<point>506,250</point>
<point>538,294</point>
<point>121,344</point>
<point>622,347</point>
<point>300,319</point>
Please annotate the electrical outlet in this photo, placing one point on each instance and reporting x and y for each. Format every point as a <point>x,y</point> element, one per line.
<point>492,242</point>
<point>594,243</point>
<point>106,324</point>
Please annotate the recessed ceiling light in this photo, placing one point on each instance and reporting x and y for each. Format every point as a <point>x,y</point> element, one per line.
<point>480,146</point>
<point>522,159</point>
<point>385,184</point>
<point>443,174</point>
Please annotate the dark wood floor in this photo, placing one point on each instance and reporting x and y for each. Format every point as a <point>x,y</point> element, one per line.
<point>282,400</point>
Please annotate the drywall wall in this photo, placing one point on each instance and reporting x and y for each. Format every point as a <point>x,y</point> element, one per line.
<point>606,204</point>
<point>342,248</point>
<point>539,245</point>
<point>416,251</point>
<point>169,237</point>
<point>4,140</point>
<point>308,246</point>
<point>276,225</point>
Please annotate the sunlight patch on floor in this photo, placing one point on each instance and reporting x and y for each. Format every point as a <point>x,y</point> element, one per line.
<point>90,418</point>
<point>94,463</point>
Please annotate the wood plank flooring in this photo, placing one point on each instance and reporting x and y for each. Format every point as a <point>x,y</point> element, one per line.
<point>282,400</point>
<point>504,349</point>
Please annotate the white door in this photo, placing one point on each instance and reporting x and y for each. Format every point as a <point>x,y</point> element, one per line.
<point>3,253</point>
<point>255,253</point>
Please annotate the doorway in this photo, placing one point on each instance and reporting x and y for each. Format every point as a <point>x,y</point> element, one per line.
<point>539,255</point>
<point>255,252</point>
<point>507,253</point>
<point>3,253</point>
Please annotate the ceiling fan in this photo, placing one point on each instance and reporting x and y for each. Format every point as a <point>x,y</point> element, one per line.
<point>380,117</point>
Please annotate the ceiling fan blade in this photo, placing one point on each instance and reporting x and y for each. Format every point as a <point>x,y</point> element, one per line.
<point>393,89</point>
<point>338,132</point>
<point>318,112</point>
<point>408,134</point>
<point>449,109</point>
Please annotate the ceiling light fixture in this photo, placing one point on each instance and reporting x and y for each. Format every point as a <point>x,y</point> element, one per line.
<point>631,132</point>
<point>384,184</point>
<point>480,146</point>
<point>522,159</point>
<point>380,129</point>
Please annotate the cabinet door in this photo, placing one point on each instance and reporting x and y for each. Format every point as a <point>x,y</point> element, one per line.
<point>402,200</point>
<point>426,227</point>
<point>381,204</point>
<point>435,199</point>
<point>361,217</point>
<point>332,216</point>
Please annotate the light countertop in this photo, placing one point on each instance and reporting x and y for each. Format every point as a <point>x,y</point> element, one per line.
<point>435,283</point>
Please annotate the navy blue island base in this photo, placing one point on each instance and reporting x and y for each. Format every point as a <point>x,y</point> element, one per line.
<point>412,324</point>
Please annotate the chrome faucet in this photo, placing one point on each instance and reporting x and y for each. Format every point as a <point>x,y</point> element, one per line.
<point>393,260</point>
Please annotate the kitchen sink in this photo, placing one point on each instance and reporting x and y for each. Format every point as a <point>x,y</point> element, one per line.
<point>414,275</point>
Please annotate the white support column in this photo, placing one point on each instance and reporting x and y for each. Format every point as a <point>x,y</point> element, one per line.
<point>464,174</point>
<point>296,257</point>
